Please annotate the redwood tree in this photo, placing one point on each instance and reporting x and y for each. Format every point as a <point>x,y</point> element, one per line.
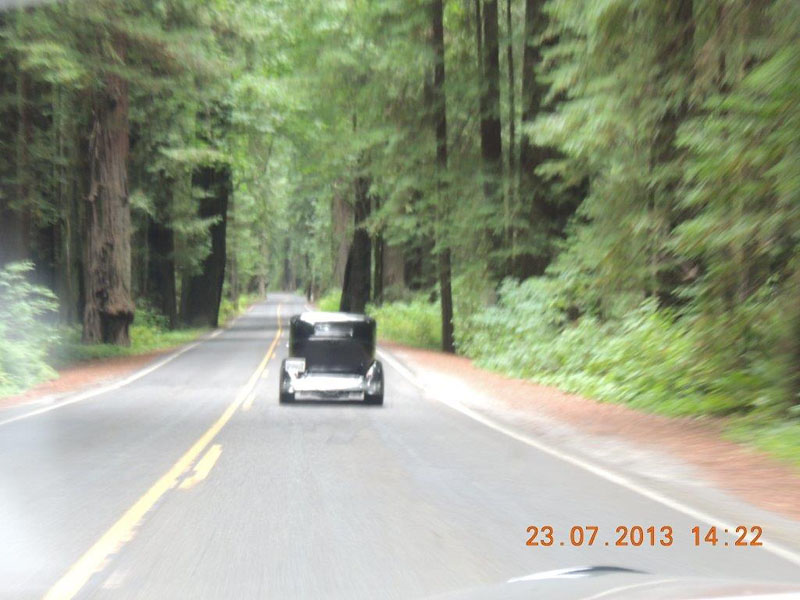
<point>201,293</point>
<point>357,273</point>
<point>491,133</point>
<point>440,126</point>
<point>108,308</point>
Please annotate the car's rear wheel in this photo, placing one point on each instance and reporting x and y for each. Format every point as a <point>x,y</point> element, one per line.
<point>376,399</point>
<point>284,396</point>
<point>374,391</point>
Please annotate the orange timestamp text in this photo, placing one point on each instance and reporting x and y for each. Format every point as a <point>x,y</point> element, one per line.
<point>641,535</point>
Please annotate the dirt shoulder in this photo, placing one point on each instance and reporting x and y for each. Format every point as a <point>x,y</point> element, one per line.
<point>81,376</point>
<point>735,468</point>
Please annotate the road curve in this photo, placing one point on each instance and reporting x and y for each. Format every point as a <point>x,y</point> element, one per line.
<point>193,482</point>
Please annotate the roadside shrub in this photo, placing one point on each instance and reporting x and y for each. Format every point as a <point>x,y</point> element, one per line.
<point>25,336</point>
<point>149,332</point>
<point>415,323</point>
<point>650,357</point>
<point>330,300</point>
<point>227,310</point>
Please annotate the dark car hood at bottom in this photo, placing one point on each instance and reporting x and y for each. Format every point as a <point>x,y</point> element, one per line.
<point>617,583</point>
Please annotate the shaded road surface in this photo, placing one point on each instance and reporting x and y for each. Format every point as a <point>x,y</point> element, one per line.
<point>193,482</point>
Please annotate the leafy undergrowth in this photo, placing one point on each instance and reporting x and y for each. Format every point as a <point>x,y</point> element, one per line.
<point>648,358</point>
<point>415,323</point>
<point>228,311</point>
<point>330,301</point>
<point>144,339</point>
<point>773,435</point>
<point>25,333</point>
<point>149,333</point>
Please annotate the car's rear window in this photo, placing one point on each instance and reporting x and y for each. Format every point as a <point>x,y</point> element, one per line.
<point>339,330</point>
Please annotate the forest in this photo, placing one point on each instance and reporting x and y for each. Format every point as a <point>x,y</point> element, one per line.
<point>602,196</point>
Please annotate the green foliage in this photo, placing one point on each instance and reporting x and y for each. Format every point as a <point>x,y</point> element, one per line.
<point>228,310</point>
<point>331,300</point>
<point>779,437</point>
<point>149,333</point>
<point>650,358</point>
<point>415,323</point>
<point>25,333</point>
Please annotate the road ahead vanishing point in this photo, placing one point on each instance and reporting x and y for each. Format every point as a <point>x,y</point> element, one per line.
<point>191,481</point>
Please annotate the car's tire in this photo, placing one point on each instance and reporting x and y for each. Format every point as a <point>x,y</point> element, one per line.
<point>284,397</point>
<point>377,398</point>
<point>374,399</point>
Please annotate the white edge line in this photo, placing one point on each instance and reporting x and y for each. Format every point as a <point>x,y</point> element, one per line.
<point>115,385</point>
<point>607,474</point>
<point>130,379</point>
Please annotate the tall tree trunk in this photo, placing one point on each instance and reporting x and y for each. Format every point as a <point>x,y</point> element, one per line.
<point>357,275</point>
<point>440,126</point>
<point>233,274</point>
<point>378,247</point>
<point>491,132</point>
<point>677,59</point>
<point>161,267</point>
<point>392,271</point>
<point>288,266</point>
<point>419,271</point>
<point>531,186</point>
<point>342,213</point>
<point>11,246</point>
<point>108,309</point>
<point>69,204</point>
<point>24,168</point>
<point>201,294</point>
<point>377,279</point>
<point>545,211</point>
<point>512,109</point>
<point>482,108</point>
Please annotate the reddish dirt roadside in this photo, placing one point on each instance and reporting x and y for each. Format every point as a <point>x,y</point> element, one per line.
<point>745,472</point>
<point>83,375</point>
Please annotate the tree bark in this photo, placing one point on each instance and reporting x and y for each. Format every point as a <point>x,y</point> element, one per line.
<point>342,212</point>
<point>12,244</point>
<point>419,271</point>
<point>677,59</point>
<point>69,201</point>
<point>512,109</point>
<point>161,269</point>
<point>201,294</point>
<point>392,271</point>
<point>233,273</point>
<point>24,167</point>
<point>108,309</point>
<point>491,132</point>
<point>357,275</point>
<point>544,212</point>
<point>377,279</point>
<point>440,126</point>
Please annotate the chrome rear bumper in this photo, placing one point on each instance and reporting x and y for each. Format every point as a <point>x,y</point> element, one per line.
<point>328,387</point>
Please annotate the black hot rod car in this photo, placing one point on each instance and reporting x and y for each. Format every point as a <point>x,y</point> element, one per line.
<point>331,357</point>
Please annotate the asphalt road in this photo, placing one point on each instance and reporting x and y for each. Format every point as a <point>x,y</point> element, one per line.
<point>193,482</point>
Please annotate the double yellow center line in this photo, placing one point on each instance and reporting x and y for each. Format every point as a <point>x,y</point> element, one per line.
<point>125,528</point>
